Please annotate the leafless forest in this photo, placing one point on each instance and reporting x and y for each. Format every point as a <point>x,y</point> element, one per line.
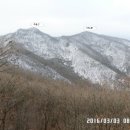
<point>31,102</point>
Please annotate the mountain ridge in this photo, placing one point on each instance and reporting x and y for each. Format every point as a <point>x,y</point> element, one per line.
<point>86,55</point>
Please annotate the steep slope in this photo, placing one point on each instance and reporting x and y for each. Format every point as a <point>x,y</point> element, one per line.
<point>98,58</point>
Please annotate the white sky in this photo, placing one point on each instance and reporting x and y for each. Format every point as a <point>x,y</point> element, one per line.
<point>66,17</point>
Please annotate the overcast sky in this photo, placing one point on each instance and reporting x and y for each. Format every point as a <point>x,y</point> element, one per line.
<point>66,17</point>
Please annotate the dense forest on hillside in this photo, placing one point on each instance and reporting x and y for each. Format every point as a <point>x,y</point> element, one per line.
<point>29,102</point>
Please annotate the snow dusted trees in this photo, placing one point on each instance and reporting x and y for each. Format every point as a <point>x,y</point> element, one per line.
<point>7,55</point>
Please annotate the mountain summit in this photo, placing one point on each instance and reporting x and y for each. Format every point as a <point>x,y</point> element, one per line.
<point>89,56</point>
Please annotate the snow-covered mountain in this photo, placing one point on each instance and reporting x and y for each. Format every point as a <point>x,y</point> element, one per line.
<point>98,58</point>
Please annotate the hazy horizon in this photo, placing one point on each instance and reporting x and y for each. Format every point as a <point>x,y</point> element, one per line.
<point>67,17</point>
<point>65,34</point>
